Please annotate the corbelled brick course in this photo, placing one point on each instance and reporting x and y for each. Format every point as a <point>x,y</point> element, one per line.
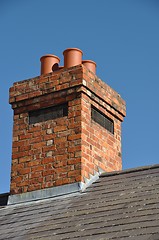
<point>66,149</point>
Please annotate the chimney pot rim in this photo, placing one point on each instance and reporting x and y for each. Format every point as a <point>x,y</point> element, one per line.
<point>90,61</point>
<point>69,49</point>
<point>49,55</point>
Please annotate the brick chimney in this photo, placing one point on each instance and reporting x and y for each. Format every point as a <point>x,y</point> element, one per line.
<point>67,129</point>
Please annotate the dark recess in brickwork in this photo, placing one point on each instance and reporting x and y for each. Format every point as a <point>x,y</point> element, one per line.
<point>101,119</point>
<point>46,114</point>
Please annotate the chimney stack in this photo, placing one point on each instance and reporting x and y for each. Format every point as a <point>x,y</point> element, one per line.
<point>67,127</point>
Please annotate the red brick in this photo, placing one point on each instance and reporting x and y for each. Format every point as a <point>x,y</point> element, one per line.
<point>36,139</point>
<point>33,163</point>
<point>34,94</point>
<point>74,161</point>
<point>21,97</point>
<point>74,173</point>
<point>35,174</point>
<point>48,148</point>
<point>49,137</point>
<point>24,148</point>
<point>15,150</point>
<point>74,149</point>
<point>23,183</point>
<point>25,136</point>
<point>59,182</point>
<point>18,155</point>
<point>34,187</point>
<point>60,140</point>
<point>74,114</point>
<point>37,168</point>
<point>60,128</point>
<point>74,136</point>
<point>61,163</point>
<point>62,86</point>
<point>24,171</point>
<point>38,145</point>
<point>25,159</point>
<point>34,129</point>
<point>47,160</point>
<point>48,172</point>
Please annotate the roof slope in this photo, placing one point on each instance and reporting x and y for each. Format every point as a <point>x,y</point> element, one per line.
<point>122,205</point>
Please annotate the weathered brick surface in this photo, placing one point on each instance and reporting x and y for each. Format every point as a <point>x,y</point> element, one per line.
<point>100,148</point>
<point>67,149</point>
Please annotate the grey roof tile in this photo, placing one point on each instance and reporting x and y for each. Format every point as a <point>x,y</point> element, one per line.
<point>121,205</point>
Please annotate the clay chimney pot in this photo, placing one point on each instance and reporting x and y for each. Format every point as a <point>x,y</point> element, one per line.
<point>72,57</point>
<point>91,65</point>
<point>49,63</point>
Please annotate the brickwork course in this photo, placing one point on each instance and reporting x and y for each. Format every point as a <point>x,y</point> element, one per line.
<point>70,148</point>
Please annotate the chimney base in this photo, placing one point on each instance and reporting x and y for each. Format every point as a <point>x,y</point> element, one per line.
<point>44,193</point>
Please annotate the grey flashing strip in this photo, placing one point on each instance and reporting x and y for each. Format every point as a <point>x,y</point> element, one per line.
<point>92,179</point>
<point>88,182</point>
<point>44,193</point>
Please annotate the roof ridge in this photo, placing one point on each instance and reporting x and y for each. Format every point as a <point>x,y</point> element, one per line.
<point>129,170</point>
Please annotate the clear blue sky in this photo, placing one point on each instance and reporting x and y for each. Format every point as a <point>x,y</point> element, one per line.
<point>122,36</point>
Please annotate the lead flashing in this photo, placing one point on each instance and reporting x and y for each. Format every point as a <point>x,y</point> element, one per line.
<point>44,193</point>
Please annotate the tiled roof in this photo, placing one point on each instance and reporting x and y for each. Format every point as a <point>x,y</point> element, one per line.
<point>121,205</point>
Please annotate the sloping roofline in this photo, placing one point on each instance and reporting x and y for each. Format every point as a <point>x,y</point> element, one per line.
<point>5,196</point>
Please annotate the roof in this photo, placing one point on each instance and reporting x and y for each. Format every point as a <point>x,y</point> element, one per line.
<point>120,205</point>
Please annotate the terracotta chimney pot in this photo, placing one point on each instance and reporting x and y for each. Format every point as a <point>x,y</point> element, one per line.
<point>72,57</point>
<point>91,65</point>
<point>49,63</point>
